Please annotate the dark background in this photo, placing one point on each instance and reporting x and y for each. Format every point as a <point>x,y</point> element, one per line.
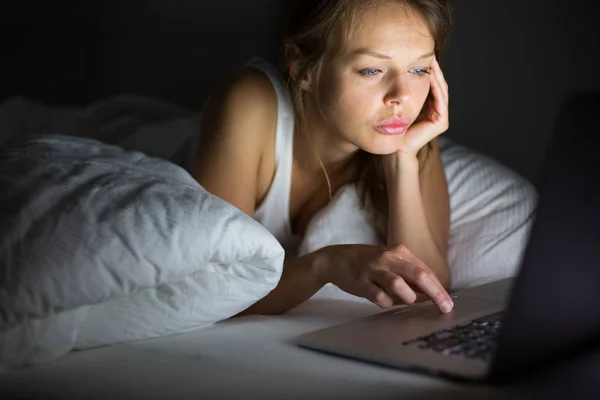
<point>509,64</point>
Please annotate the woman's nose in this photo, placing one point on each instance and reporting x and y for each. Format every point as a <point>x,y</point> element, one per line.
<point>398,93</point>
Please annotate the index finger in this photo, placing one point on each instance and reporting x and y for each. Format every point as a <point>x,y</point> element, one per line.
<point>426,282</point>
<point>437,70</point>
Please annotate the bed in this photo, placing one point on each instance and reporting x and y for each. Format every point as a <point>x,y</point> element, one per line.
<point>120,346</point>
<point>252,357</point>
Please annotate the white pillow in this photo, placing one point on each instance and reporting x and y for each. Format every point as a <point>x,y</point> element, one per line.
<point>492,209</point>
<point>99,245</point>
<point>491,213</point>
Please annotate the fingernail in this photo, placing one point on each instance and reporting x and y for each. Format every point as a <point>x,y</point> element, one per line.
<point>447,306</point>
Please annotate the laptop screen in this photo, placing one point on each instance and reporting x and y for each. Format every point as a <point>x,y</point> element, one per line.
<point>554,310</point>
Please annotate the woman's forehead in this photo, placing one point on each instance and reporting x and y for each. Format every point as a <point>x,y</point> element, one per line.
<point>389,28</point>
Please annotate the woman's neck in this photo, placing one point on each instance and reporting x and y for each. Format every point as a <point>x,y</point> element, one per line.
<point>315,144</point>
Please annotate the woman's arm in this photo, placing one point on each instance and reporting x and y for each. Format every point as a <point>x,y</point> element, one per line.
<point>301,278</point>
<point>377,273</point>
<point>419,211</point>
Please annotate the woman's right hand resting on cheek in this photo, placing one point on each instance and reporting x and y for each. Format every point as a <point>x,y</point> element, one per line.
<point>385,276</point>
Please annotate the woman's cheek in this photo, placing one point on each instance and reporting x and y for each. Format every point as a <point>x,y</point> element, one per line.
<point>360,103</point>
<point>422,91</point>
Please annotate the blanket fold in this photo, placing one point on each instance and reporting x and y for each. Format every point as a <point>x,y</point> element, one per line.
<point>100,245</point>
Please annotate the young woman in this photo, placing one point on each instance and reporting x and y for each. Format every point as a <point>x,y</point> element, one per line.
<point>364,102</point>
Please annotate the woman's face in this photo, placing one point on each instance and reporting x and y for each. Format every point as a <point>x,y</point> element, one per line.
<point>381,77</point>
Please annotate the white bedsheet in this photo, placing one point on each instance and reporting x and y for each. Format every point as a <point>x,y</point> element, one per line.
<point>252,357</point>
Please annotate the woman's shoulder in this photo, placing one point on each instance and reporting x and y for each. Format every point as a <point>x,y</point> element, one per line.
<point>246,105</point>
<point>237,133</point>
<point>251,89</point>
<point>266,82</point>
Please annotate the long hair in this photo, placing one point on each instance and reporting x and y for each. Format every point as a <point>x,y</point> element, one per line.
<point>323,27</point>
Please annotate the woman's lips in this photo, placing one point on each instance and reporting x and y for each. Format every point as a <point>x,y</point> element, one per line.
<point>393,126</point>
<point>392,129</point>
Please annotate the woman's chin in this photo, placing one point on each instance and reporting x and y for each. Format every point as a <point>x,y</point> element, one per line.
<point>389,145</point>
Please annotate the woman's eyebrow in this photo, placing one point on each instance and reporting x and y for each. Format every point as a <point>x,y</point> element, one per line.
<point>367,52</point>
<point>427,55</point>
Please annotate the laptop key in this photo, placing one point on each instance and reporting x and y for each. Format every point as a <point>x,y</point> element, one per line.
<point>474,339</point>
<point>446,343</point>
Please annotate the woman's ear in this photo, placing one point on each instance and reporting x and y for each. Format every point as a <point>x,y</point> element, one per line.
<point>306,84</point>
<point>292,59</point>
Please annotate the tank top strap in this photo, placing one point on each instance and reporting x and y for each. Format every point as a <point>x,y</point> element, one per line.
<point>274,212</point>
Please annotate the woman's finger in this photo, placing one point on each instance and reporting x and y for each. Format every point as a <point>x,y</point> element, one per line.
<point>427,283</point>
<point>440,104</point>
<point>437,71</point>
<point>417,275</point>
<point>419,263</point>
<point>393,285</point>
<point>376,295</point>
<point>438,93</point>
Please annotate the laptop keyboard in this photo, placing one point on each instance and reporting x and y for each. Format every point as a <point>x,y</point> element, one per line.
<point>475,339</point>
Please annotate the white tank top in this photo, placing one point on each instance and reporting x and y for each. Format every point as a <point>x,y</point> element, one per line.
<point>274,212</point>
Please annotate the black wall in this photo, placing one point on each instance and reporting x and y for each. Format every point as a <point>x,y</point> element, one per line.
<point>509,63</point>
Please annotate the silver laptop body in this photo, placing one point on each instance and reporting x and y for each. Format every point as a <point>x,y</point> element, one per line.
<point>388,338</point>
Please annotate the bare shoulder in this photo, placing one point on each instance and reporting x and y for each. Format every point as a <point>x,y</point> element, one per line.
<point>249,97</point>
<point>238,126</point>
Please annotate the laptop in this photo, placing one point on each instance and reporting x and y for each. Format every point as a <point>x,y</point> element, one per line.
<point>498,331</point>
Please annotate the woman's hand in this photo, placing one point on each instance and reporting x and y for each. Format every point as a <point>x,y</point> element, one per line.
<point>433,120</point>
<point>385,276</point>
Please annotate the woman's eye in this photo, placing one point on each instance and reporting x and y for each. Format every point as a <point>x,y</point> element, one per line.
<point>370,72</point>
<point>420,71</point>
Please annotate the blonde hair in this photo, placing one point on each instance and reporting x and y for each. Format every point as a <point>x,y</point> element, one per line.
<point>321,28</point>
